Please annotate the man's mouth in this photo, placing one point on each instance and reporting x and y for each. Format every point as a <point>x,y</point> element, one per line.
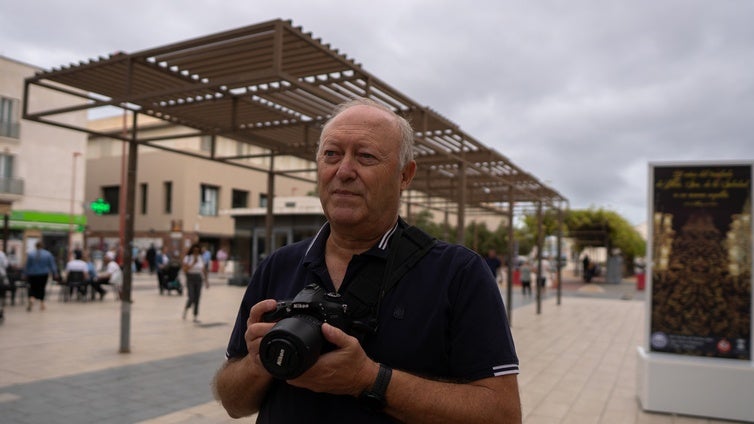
<point>344,193</point>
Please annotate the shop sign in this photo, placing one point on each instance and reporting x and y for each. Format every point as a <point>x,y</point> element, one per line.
<point>100,207</point>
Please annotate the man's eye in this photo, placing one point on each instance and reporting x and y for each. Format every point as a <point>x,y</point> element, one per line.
<point>368,158</point>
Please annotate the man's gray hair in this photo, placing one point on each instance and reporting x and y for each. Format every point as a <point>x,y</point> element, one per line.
<point>407,133</point>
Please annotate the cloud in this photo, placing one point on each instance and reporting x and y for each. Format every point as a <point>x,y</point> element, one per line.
<point>582,94</point>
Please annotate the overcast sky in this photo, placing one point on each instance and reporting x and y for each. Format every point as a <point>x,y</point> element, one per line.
<point>582,94</point>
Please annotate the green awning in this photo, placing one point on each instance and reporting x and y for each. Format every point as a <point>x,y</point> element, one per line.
<point>55,221</point>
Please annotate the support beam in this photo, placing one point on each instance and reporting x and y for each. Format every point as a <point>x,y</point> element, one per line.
<point>461,218</point>
<point>540,243</point>
<point>560,252</point>
<point>512,257</point>
<point>270,216</point>
<point>128,236</point>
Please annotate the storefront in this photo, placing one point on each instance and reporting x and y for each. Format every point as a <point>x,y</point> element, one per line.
<point>22,229</point>
<point>296,219</point>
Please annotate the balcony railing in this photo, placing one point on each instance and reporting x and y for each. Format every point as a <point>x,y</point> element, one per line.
<point>11,186</point>
<point>9,129</point>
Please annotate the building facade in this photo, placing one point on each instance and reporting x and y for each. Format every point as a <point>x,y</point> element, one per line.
<point>42,171</point>
<point>180,199</point>
<point>296,218</point>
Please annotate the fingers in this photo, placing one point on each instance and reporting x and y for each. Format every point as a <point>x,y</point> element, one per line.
<point>336,336</point>
<point>260,308</point>
<point>255,329</point>
<point>341,371</point>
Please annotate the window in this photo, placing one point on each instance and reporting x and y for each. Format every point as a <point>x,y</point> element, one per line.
<point>111,195</point>
<point>240,199</point>
<point>262,200</point>
<point>208,200</point>
<point>7,184</point>
<point>167,187</point>
<point>143,196</point>
<point>6,166</point>
<point>9,122</point>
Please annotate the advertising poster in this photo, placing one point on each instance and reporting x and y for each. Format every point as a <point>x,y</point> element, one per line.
<point>701,260</point>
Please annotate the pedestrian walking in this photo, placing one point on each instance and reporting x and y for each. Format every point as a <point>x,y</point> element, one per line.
<point>494,262</point>
<point>526,278</point>
<point>152,258</point>
<point>196,273</point>
<point>40,264</point>
<point>222,259</point>
<point>4,282</point>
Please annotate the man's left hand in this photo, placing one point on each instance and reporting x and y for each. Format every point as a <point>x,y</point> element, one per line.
<point>346,370</point>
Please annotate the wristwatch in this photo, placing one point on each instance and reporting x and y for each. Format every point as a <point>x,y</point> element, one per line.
<point>374,398</point>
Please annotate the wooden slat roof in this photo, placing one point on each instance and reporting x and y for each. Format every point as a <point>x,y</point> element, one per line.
<point>272,85</point>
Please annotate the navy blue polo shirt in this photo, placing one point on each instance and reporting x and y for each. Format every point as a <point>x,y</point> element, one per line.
<point>444,320</point>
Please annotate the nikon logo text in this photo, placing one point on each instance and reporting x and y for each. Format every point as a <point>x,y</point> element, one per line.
<point>281,357</point>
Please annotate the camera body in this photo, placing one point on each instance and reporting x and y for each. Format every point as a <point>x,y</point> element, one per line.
<point>295,342</point>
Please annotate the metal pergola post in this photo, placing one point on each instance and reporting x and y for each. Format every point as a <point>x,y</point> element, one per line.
<point>512,257</point>
<point>125,301</point>
<point>540,239</point>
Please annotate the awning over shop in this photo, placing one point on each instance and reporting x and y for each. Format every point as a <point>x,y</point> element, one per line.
<point>45,221</point>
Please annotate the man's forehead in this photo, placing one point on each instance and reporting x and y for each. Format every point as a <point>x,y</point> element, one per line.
<point>366,113</point>
<point>361,116</point>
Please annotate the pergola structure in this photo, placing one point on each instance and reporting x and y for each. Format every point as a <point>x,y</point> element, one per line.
<point>272,85</point>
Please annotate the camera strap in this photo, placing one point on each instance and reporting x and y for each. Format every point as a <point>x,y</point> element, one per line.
<point>378,277</point>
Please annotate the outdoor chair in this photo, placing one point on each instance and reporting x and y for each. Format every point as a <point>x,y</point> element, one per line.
<point>74,284</point>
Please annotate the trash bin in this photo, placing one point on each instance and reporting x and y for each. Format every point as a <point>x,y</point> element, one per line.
<point>640,281</point>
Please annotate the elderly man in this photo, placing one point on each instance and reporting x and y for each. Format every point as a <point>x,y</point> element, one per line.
<point>112,274</point>
<point>441,350</point>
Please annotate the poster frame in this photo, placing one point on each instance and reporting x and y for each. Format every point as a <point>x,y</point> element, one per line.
<point>686,384</point>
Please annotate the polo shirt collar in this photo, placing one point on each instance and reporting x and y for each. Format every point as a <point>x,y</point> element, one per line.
<point>316,248</point>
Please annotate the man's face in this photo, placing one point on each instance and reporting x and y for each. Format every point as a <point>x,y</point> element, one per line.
<point>358,166</point>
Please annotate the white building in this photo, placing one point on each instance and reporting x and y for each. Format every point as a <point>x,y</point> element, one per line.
<point>42,171</point>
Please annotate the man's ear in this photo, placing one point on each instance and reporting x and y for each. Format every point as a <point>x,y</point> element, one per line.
<point>407,175</point>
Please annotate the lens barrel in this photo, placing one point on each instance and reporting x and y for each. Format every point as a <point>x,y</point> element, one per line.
<point>291,346</point>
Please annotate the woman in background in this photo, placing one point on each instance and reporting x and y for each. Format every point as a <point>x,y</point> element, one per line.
<point>196,273</point>
<point>39,265</point>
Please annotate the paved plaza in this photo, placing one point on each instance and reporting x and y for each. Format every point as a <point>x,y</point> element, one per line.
<point>62,365</point>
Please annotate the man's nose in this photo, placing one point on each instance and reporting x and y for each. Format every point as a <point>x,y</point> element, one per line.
<point>347,167</point>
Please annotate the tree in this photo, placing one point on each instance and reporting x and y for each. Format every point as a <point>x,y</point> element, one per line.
<point>586,227</point>
<point>476,235</point>
<point>590,227</point>
<point>479,238</point>
<point>424,220</point>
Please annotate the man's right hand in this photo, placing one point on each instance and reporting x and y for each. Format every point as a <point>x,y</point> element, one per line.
<point>256,328</point>
<point>242,382</point>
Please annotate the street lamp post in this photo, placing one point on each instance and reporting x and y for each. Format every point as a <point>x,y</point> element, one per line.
<point>73,202</point>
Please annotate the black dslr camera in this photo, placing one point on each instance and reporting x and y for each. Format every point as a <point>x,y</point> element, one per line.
<point>295,342</point>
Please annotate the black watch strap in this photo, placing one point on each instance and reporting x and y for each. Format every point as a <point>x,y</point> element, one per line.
<point>374,398</point>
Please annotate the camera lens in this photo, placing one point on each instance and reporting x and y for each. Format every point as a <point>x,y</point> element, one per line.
<point>291,346</point>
